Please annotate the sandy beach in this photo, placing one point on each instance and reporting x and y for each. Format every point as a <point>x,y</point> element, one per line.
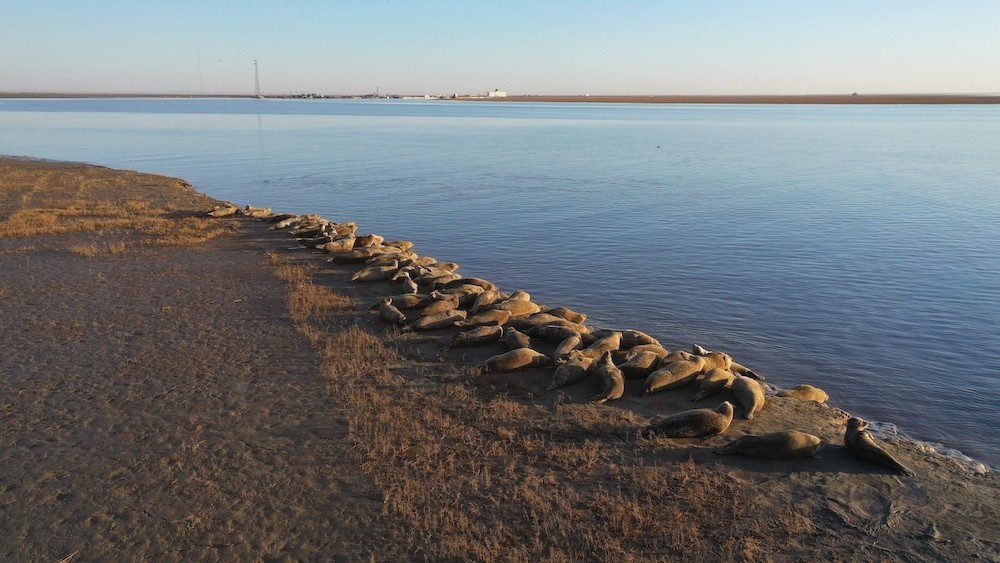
<point>175,387</point>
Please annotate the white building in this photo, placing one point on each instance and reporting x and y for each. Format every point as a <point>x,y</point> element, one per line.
<point>497,94</point>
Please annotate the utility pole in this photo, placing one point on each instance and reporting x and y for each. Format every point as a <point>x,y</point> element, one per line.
<point>256,81</point>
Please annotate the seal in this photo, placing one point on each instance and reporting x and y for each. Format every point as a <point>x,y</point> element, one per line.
<point>516,339</point>
<point>409,301</point>
<point>439,305</point>
<point>257,212</point>
<point>694,423</point>
<point>517,307</point>
<point>675,356</point>
<point>376,273</point>
<point>790,443</point>
<point>344,229</point>
<point>609,343</point>
<point>552,332</point>
<point>630,338</point>
<point>859,442</point>
<point>715,381</point>
<point>805,393</point>
<point>488,317</point>
<point>676,374</point>
<point>611,378</point>
<point>365,241</point>
<point>522,358</point>
<point>389,313</point>
<point>407,285</point>
<point>573,370</point>
<point>357,255</point>
<point>443,319</point>
<point>657,349</point>
<point>478,336</point>
<point>749,394</point>
<point>342,244</point>
<point>400,244</point>
<point>486,285</point>
<point>639,364</point>
<point>543,319</point>
<point>484,300</point>
<point>222,211</point>
<point>566,346</point>
<point>568,314</point>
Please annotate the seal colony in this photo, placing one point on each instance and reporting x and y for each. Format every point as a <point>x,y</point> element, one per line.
<point>430,296</point>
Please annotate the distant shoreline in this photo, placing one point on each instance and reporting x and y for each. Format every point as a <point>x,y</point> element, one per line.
<point>859,99</point>
<point>843,99</point>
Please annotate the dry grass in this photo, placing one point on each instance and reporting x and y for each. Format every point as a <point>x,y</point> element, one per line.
<point>136,220</point>
<point>60,199</point>
<point>310,305</point>
<point>467,473</point>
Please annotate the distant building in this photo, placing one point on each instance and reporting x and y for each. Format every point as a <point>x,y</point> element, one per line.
<point>497,94</point>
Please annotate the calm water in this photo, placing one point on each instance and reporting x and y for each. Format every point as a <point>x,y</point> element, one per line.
<point>856,248</point>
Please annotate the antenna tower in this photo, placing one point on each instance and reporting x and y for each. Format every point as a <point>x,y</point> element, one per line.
<point>256,81</point>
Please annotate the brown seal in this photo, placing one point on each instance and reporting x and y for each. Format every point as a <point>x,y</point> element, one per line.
<point>516,339</point>
<point>805,393</point>
<point>676,374</point>
<point>571,371</point>
<point>390,313</point>
<point>859,442</point>
<point>695,423</point>
<point>522,358</point>
<point>478,336</point>
<point>790,443</point>
<point>749,394</point>
<point>639,364</point>
<point>611,378</point>
<point>715,381</point>
<point>436,321</point>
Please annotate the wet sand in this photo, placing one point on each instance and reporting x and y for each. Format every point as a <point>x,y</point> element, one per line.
<point>179,399</point>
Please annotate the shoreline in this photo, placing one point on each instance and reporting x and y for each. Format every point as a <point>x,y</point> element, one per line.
<point>265,395</point>
<point>756,99</point>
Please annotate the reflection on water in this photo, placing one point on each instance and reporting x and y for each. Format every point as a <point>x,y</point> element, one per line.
<point>853,248</point>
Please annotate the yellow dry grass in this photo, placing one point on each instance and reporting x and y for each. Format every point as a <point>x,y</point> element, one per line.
<point>66,199</point>
<point>141,223</point>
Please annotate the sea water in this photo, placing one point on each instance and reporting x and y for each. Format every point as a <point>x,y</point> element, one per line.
<point>854,248</point>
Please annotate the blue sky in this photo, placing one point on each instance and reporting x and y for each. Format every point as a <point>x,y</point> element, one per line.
<point>523,47</point>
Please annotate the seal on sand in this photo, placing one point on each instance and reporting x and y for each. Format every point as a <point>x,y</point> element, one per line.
<point>488,317</point>
<point>568,314</point>
<point>570,371</point>
<point>859,442</point>
<point>639,364</point>
<point>805,393</point>
<point>443,319</point>
<point>566,346</point>
<point>440,305</point>
<point>476,337</point>
<point>715,380</point>
<point>522,358</point>
<point>674,375</point>
<point>611,378</point>
<point>790,443</point>
<point>389,313</point>
<point>694,423</point>
<point>516,339</point>
<point>749,394</point>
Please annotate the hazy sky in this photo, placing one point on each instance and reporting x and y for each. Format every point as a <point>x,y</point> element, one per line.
<point>523,47</point>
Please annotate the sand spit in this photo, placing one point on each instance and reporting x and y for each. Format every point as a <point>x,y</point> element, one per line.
<point>232,394</point>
